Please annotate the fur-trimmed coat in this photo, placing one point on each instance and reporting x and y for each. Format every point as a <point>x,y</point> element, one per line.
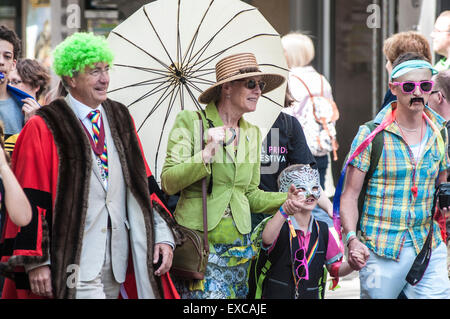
<point>53,162</point>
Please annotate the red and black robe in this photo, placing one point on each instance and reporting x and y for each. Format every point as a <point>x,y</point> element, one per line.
<point>52,161</point>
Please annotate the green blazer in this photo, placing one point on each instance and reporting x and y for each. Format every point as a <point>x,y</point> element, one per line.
<point>235,177</point>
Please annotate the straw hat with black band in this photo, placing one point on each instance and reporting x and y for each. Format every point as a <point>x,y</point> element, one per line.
<point>236,67</point>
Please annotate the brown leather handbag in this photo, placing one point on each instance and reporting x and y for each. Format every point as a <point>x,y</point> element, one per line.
<point>191,257</point>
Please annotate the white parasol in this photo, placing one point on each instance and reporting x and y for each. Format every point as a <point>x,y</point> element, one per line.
<point>165,56</point>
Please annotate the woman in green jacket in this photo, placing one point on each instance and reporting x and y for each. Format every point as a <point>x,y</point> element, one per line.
<point>230,162</point>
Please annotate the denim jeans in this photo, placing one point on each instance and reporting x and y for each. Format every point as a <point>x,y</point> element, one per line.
<point>384,278</point>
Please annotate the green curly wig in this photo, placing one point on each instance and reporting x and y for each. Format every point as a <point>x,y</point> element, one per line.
<point>78,51</point>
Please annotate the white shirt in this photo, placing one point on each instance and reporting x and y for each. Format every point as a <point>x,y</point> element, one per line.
<point>420,147</point>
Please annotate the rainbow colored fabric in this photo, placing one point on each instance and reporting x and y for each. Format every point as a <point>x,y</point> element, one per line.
<point>94,116</point>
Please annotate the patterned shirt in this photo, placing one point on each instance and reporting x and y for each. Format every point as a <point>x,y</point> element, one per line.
<point>391,214</point>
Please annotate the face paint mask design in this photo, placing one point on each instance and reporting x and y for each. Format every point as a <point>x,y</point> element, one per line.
<point>303,178</point>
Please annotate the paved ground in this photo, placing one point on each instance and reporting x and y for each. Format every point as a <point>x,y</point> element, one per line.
<point>349,288</point>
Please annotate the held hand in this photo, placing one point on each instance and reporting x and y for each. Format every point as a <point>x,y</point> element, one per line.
<point>445,212</point>
<point>40,281</point>
<point>29,108</point>
<point>358,254</point>
<point>167,255</point>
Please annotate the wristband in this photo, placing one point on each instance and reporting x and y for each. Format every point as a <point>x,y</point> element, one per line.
<point>350,234</point>
<point>286,216</point>
<point>283,213</point>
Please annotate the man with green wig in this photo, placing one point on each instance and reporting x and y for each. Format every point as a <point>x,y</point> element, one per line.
<point>99,227</point>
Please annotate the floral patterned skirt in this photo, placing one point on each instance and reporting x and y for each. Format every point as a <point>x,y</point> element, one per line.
<point>226,275</point>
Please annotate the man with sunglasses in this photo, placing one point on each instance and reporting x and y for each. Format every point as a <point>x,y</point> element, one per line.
<point>395,219</point>
<point>441,40</point>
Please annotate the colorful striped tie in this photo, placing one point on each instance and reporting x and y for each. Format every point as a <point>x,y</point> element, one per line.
<point>94,116</point>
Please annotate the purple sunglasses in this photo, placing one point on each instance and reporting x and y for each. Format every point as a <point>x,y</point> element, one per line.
<point>409,87</point>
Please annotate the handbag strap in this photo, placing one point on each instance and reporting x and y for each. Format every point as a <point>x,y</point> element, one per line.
<point>204,204</point>
<point>311,96</point>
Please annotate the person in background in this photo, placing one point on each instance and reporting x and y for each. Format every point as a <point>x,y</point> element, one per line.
<point>441,40</point>
<point>401,43</point>
<point>30,77</point>
<point>33,78</point>
<point>304,81</point>
<point>11,113</point>
<point>285,145</point>
<point>439,101</point>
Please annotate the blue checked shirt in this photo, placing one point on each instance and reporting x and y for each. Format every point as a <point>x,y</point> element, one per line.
<point>391,214</point>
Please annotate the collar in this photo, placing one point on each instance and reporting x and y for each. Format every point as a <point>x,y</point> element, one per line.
<point>434,120</point>
<point>297,227</point>
<point>81,110</point>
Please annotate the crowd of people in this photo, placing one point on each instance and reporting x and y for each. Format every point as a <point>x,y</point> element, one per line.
<point>83,217</point>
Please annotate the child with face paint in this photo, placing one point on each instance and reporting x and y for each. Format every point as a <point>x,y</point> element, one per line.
<point>298,245</point>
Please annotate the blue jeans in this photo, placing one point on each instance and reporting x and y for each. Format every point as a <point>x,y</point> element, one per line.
<point>384,278</point>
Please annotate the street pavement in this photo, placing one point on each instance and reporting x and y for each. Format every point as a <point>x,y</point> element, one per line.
<point>349,288</point>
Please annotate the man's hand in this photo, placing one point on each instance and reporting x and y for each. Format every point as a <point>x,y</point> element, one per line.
<point>356,250</point>
<point>166,252</point>
<point>40,281</point>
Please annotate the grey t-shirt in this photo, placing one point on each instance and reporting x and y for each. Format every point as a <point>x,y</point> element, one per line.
<point>12,116</point>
